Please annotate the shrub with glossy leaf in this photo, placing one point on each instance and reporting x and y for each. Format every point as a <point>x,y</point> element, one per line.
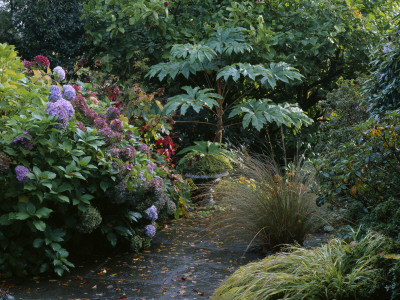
<point>337,270</point>
<point>265,204</point>
<point>60,184</point>
<point>362,174</point>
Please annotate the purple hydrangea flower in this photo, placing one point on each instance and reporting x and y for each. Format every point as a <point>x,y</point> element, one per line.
<point>59,73</point>
<point>116,125</point>
<point>62,109</point>
<point>141,178</point>
<point>21,172</point>
<point>150,167</point>
<point>144,148</point>
<point>5,162</point>
<point>80,126</point>
<point>150,231</point>
<point>55,93</point>
<point>113,151</point>
<point>125,170</point>
<point>156,183</point>
<point>67,106</point>
<point>26,143</point>
<point>69,92</point>
<point>99,123</point>
<point>113,113</point>
<point>127,153</point>
<point>110,136</point>
<point>151,213</point>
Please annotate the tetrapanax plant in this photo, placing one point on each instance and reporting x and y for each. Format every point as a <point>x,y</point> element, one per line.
<point>220,60</point>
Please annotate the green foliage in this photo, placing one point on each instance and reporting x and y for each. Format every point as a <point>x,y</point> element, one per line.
<point>264,204</point>
<point>342,111</point>
<point>204,164</point>
<point>205,157</point>
<point>259,113</point>
<point>323,39</point>
<point>207,147</point>
<point>361,174</point>
<point>337,270</point>
<point>382,89</point>
<point>10,77</point>
<point>195,98</point>
<point>215,58</point>
<point>48,27</point>
<point>89,220</point>
<point>80,178</point>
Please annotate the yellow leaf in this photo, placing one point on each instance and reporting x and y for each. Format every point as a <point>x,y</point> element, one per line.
<point>392,256</point>
<point>378,132</point>
<point>124,119</point>
<point>159,105</point>
<point>36,73</point>
<point>353,190</point>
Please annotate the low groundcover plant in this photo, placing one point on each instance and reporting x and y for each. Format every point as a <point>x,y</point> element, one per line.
<point>337,270</point>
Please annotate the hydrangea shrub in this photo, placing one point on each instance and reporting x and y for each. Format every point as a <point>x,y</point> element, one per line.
<point>74,170</point>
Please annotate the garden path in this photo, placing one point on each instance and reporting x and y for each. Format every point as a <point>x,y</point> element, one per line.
<point>185,261</point>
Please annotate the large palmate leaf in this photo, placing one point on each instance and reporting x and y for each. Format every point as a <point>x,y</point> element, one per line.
<point>260,112</point>
<point>193,53</point>
<point>266,76</point>
<point>172,69</point>
<point>195,98</point>
<point>207,147</point>
<point>229,40</point>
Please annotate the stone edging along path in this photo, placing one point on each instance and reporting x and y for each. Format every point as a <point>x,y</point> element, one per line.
<point>185,261</point>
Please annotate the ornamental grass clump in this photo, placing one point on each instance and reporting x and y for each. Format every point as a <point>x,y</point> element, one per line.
<point>265,204</point>
<point>337,270</point>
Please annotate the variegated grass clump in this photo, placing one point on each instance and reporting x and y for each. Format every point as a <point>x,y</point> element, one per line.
<point>336,270</point>
<point>266,204</point>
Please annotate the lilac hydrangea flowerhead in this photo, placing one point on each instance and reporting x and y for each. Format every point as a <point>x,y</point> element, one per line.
<point>62,109</point>
<point>113,113</point>
<point>127,153</point>
<point>99,123</point>
<point>55,93</point>
<point>150,231</point>
<point>59,73</point>
<point>69,92</point>
<point>116,125</point>
<point>125,170</point>
<point>150,167</point>
<point>25,141</point>
<point>141,178</point>
<point>156,184</point>
<point>67,106</point>
<point>151,213</point>
<point>144,148</point>
<point>110,137</point>
<point>5,162</point>
<point>113,151</point>
<point>21,172</point>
